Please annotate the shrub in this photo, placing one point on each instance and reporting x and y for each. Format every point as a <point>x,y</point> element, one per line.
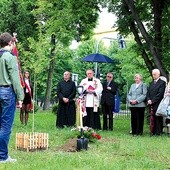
<point>54,108</point>
<point>36,108</point>
<point>123,106</point>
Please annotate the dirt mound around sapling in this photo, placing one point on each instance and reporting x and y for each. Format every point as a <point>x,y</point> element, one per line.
<point>69,146</point>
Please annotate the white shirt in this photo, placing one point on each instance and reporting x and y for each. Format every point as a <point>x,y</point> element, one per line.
<point>27,82</point>
<point>137,85</point>
<point>98,90</point>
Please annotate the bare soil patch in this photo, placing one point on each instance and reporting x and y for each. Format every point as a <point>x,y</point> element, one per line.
<point>69,146</point>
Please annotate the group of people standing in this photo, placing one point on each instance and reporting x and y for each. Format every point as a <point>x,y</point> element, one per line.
<point>140,96</point>
<point>93,92</point>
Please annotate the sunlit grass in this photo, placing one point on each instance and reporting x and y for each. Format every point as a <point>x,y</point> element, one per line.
<point>116,150</point>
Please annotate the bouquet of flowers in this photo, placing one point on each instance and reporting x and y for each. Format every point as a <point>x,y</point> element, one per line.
<point>90,134</point>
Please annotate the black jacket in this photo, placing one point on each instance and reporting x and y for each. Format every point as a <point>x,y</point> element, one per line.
<point>156,93</point>
<point>66,89</point>
<point>108,96</point>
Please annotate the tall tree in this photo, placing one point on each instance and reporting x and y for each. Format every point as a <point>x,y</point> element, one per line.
<point>17,16</point>
<point>68,20</point>
<point>148,21</point>
<point>50,74</point>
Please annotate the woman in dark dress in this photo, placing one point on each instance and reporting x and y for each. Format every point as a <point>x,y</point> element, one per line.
<point>27,102</point>
<point>66,92</point>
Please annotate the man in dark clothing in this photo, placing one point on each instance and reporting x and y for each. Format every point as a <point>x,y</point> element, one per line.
<point>154,96</point>
<point>108,101</point>
<point>66,92</point>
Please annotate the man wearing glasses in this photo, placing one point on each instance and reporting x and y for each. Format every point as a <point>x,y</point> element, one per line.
<point>92,90</point>
<point>108,101</point>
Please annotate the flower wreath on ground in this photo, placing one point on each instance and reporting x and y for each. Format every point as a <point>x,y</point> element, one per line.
<point>89,133</point>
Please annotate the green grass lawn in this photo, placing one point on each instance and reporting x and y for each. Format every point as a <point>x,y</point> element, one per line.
<point>116,150</point>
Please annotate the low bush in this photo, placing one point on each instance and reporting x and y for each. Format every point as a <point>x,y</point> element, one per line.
<point>54,108</point>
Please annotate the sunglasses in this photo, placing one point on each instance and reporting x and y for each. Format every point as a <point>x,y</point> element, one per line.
<point>109,76</point>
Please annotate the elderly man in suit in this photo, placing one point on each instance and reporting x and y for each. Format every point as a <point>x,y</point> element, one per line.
<point>154,96</point>
<point>108,101</point>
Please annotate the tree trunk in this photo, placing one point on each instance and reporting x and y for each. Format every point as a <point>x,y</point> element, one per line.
<point>50,75</point>
<point>154,50</point>
<point>134,30</point>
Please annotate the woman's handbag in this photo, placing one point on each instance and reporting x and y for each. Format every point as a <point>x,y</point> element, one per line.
<point>163,107</point>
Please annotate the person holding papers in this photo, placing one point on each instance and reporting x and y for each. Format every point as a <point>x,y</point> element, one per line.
<point>92,89</point>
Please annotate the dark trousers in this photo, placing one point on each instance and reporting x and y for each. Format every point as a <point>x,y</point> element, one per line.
<point>107,116</point>
<point>66,115</point>
<point>158,122</point>
<point>137,120</point>
<point>92,119</point>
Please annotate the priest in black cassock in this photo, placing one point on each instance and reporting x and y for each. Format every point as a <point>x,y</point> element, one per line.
<point>66,92</point>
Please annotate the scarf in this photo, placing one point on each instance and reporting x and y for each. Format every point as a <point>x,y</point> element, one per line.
<point>29,91</point>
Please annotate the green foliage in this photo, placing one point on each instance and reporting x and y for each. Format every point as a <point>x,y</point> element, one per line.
<point>86,134</point>
<point>16,17</point>
<point>68,19</point>
<point>123,106</point>
<point>79,67</point>
<point>54,108</point>
<point>36,61</point>
<point>36,107</point>
<point>149,23</point>
<point>36,55</point>
<point>130,63</point>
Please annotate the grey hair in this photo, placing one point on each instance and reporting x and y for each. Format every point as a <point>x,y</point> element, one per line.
<point>138,75</point>
<point>156,70</point>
